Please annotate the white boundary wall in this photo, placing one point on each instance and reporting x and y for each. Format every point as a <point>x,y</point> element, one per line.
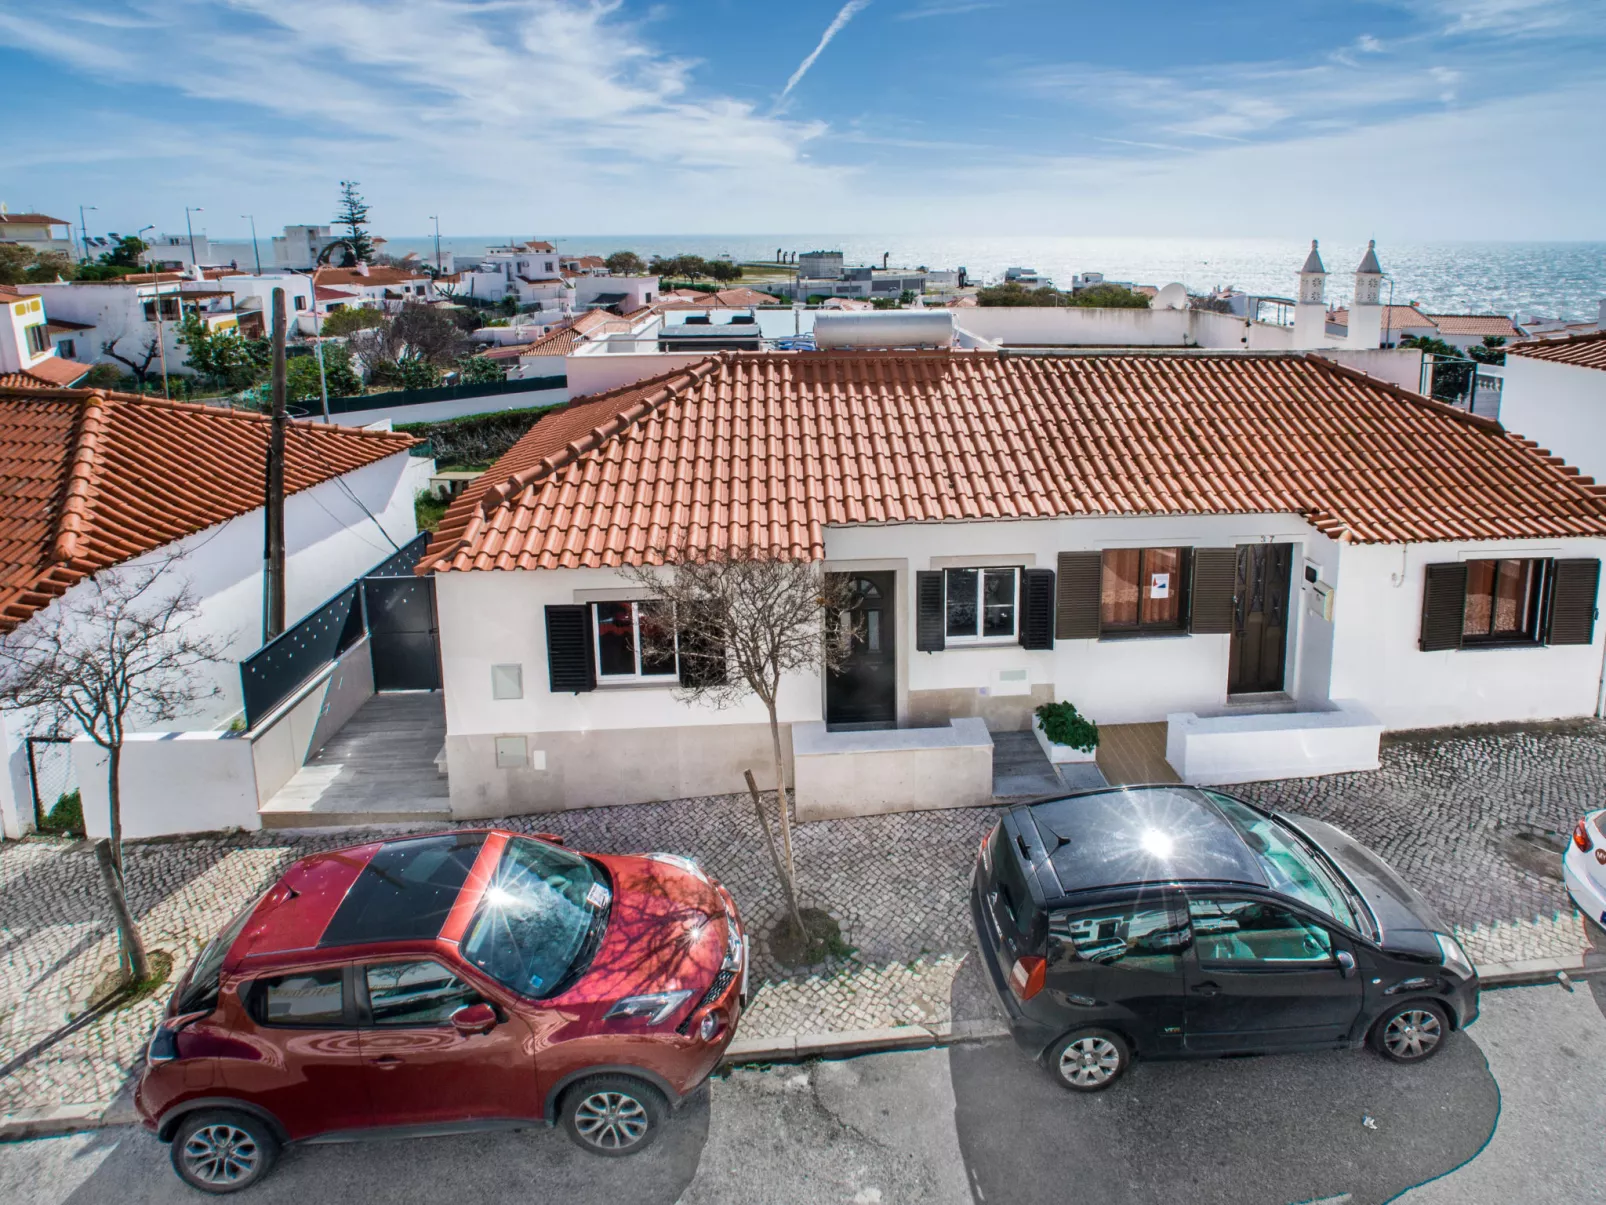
<point>1562,406</point>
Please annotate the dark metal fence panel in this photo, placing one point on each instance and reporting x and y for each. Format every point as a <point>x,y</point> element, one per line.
<point>445,393</point>
<point>403,560</point>
<point>273,673</point>
<point>401,632</point>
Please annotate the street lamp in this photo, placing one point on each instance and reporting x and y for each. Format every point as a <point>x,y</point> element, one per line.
<point>254,251</point>
<point>191,229</point>
<point>437,222</point>
<point>83,229</point>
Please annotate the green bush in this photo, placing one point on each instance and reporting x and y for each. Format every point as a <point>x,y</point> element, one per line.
<point>67,817</point>
<point>1064,725</point>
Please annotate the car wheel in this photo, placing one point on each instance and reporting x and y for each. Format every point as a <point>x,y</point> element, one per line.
<point>1089,1060</point>
<point>1411,1031</point>
<point>614,1114</point>
<point>220,1150</point>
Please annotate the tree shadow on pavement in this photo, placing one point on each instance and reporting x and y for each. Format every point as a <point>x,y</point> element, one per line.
<point>519,1166</point>
<point>1245,1131</point>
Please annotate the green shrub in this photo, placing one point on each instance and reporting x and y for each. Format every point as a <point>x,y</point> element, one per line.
<point>1064,725</point>
<point>67,817</point>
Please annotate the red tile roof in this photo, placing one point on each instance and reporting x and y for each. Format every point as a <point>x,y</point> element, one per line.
<point>1475,324</point>
<point>54,372</point>
<point>1395,317</point>
<point>32,219</point>
<point>765,450</point>
<point>1586,351</point>
<point>376,276</point>
<point>564,340</point>
<point>741,298</point>
<point>88,480</point>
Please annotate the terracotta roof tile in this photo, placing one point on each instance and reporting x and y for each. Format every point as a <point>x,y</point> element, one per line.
<point>32,219</point>
<point>1396,317</point>
<point>88,480</point>
<point>1586,351</point>
<point>56,372</point>
<point>765,450</point>
<point>375,277</point>
<point>1475,324</point>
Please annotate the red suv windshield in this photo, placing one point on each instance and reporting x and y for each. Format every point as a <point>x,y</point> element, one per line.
<point>540,920</point>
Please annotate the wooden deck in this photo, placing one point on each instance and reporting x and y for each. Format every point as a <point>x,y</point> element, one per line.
<point>1134,753</point>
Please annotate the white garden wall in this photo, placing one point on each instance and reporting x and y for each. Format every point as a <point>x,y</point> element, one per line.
<point>1563,406</point>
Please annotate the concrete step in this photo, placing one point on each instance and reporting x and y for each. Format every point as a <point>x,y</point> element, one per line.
<point>285,819</point>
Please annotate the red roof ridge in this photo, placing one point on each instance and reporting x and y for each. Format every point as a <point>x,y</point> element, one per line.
<point>80,480</point>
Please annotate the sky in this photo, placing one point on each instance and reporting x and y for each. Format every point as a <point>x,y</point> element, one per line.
<point>1404,119</point>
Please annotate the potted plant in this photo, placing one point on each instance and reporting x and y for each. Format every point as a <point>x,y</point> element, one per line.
<point>1065,734</point>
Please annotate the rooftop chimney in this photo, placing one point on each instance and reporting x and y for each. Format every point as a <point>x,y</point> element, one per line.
<point>1310,308</point>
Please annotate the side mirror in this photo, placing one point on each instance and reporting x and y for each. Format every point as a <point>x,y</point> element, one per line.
<point>474,1018</point>
<point>1346,962</point>
<point>550,838</point>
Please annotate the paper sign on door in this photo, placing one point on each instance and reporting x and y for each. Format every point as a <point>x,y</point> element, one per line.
<point>1159,585</point>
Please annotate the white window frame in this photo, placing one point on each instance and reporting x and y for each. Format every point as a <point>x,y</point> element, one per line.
<point>635,635</point>
<point>981,616</point>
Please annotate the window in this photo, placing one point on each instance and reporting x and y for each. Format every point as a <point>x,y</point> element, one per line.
<point>306,998</point>
<point>169,308</point>
<point>980,604</point>
<point>1503,601</point>
<point>201,989</point>
<point>38,339</point>
<point>67,349</point>
<point>634,640</point>
<point>1143,590</point>
<point>1290,867</point>
<point>415,993</point>
<point>1135,935</point>
<point>1256,933</point>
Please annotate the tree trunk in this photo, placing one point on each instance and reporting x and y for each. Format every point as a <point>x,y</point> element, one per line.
<point>780,798</point>
<point>775,856</point>
<point>133,945</point>
<point>136,966</point>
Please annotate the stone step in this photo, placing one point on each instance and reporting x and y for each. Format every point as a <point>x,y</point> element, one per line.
<point>287,819</point>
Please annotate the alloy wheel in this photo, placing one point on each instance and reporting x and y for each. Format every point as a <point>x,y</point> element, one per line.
<point>221,1154</point>
<point>1089,1062</point>
<point>611,1121</point>
<point>1412,1034</point>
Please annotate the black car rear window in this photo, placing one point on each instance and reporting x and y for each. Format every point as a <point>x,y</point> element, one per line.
<point>405,891</point>
<point>1113,837</point>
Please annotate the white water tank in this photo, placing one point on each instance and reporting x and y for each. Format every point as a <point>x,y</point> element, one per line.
<point>883,328</point>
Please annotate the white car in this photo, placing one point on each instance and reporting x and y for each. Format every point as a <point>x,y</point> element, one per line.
<point>1583,866</point>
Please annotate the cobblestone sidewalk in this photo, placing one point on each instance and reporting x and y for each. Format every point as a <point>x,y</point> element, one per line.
<point>1447,813</point>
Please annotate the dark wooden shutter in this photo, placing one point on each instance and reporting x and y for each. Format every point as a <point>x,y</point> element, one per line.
<point>568,649</point>
<point>1444,604</point>
<point>1572,601</point>
<point>1037,608</point>
<point>929,622</point>
<point>1215,575</point>
<point>1076,613</point>
<point>702,660</point>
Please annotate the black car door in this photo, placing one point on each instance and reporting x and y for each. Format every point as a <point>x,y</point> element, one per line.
<point>1117,960</point>
<point>1264,976</point>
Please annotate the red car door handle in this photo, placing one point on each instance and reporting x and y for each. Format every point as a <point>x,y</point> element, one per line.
<point>1206,989</point>
<point>386,1062</point>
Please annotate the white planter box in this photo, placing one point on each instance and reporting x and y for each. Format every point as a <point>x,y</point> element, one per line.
<point>1222,750</point>
<point>1060,755</point>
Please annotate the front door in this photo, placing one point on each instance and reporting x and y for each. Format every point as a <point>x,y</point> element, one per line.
<point>421,1070</point>
<point>1263,977</point>
<point>1260,618</point>
<point>864,691</point>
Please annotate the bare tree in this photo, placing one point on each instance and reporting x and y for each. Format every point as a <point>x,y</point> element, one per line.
<point>140,363</point>
<point>114,653</point>
<point>742,622</point>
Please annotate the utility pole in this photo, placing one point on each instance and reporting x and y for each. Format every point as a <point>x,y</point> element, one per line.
<point>255,251</point>
<point>437,221</point>
<point>83,230</point>
<point>273,510</point>
<point>191,229</point>
<point>323,377</point>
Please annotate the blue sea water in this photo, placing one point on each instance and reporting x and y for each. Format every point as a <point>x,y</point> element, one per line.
<point>1556,280</point>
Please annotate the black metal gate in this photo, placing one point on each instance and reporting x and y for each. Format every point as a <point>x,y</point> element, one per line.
<point>50,773</point>
<point>402,632</point>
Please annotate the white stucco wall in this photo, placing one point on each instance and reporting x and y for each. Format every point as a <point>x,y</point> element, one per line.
<point>329,541</point>
<point>1376,660</point>
<point>1563,406</point>
<point>595,370</point>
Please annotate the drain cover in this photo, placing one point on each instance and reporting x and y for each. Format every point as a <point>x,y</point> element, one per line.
<point>1537,851</point>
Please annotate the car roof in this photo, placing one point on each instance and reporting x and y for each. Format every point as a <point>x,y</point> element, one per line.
<point>397,890</point>
<point>1128,835</point>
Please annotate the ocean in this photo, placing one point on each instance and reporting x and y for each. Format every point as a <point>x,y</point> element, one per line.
<point>1553,280</point>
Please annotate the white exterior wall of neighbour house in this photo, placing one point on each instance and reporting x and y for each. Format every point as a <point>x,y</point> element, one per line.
<point>1561,406</point>
<point>116,312</point>
<point>16,350</point>
<point>329,541</point>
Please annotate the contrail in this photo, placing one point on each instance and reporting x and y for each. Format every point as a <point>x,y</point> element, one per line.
<point>848,11</point>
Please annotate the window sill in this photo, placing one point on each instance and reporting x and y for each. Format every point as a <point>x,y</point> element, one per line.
<point>668,683</point>
<point>1485,646</point>
<point>993,642</point>
<point>1145,634</point>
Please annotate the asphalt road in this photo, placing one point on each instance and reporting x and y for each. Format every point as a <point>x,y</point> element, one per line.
<point>980,1124</point>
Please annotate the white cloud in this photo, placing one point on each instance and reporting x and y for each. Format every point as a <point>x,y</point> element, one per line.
<point>944,8</point>
<point>845,14</point>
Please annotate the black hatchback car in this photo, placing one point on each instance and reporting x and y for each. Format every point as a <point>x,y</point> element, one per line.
<point>1175,921</point>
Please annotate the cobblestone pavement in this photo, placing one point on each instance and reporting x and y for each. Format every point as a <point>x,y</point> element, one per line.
<point>1448,813</point>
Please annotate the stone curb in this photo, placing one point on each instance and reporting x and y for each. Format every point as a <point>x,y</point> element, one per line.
<point>59,1120</point>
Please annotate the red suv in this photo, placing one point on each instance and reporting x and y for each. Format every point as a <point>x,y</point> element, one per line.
<point>435,984</point>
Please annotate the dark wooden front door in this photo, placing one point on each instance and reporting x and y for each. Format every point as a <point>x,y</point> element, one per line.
<point>865,690</point>
<point>1260,618</point>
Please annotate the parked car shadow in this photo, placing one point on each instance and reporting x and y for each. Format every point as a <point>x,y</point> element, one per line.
<point>1245,1131</point>
<point>538,1164</point>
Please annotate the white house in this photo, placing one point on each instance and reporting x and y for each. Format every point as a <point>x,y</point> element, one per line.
<point>97,482</point>
<point>303,248</point>
<point>1184,537</point>
<point>178,252</point>
<point>1554,392</point>
<point>29,355</point>
<point>530,273</point>
<point>39,232</point>
<point>375,287</point>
